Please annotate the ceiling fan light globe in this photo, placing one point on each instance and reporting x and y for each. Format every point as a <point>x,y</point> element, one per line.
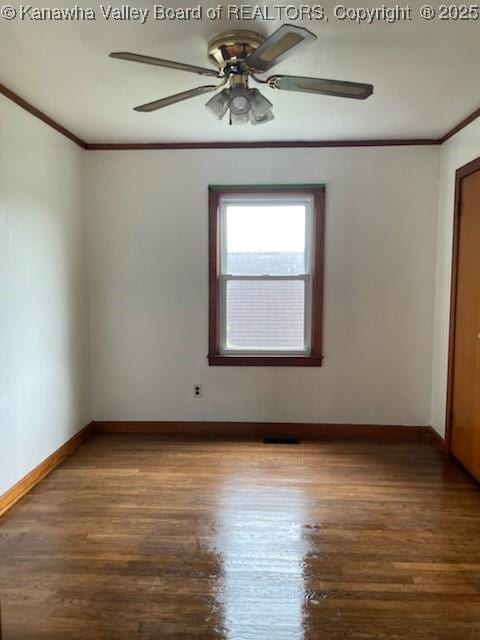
<point>239,101</point>
<point>266,117</point>
<point>242,118</point>
<point>218,105</point>
<point>260,104</point>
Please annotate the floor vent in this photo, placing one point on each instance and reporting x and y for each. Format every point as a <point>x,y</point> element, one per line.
<point>273,440</point>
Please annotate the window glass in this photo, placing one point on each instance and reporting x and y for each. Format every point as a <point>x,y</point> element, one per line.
<point>265,315</point>
<point>264,239</point>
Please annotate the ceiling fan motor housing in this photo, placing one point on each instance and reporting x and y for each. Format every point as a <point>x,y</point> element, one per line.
<point>230,48</point>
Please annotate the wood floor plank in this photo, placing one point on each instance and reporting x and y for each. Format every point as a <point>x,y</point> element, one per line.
<point>151,538</point>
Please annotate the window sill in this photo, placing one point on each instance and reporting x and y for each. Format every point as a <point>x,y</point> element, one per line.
<point>217,360</point>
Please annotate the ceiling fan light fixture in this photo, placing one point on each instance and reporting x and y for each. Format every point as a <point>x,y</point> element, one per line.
<point>218,105</point>
<point>266,117</point>
<point>240,103</point>
<point>242,118</point>
<point>260,104</point>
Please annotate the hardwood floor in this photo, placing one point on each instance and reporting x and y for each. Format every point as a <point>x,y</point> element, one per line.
<point>138,537</point>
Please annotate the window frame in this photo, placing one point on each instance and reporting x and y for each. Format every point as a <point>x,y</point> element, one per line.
<point>311,358</point>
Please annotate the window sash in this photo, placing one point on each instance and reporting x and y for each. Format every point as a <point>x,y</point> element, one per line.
<point>307,329</point>
<point>255,200</point>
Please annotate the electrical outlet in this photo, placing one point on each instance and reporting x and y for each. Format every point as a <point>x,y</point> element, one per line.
<point>197,390</point>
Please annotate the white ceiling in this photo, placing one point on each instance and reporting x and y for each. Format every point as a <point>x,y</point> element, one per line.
<point>425,76</point>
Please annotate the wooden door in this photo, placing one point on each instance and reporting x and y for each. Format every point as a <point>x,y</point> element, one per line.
<point>465,404</point>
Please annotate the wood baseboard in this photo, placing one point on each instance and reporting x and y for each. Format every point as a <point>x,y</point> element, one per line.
<point>304,431</point>
<point>437,440</point>
<point>26,484</point>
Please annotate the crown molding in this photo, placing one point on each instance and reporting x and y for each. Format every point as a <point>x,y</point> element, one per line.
<point>273,144</point>
<point>461,125</point>
<point>4,91</point>
<point>269,144</point>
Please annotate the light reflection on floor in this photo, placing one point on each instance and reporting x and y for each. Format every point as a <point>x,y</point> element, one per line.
<point>262,548</point>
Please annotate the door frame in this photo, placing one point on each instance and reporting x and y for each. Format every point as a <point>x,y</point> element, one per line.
<point>461,173</point>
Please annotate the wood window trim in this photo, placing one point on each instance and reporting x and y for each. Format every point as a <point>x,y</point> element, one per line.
<point>315,357</point>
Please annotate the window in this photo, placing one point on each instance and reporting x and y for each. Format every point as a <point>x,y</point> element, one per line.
<point>266,275</point>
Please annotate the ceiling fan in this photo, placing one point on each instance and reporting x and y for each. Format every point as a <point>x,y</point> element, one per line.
<point>239,56</point>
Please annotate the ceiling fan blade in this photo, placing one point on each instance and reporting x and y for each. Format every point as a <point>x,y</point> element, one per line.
<point>177,97</point>
<point>278,47</point>
<point>159,62</point>
<point>339,88</point>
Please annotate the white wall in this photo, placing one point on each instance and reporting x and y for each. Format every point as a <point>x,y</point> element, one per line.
<point>148,255</point>
<point>44,368</point>
<point>459,150</point>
